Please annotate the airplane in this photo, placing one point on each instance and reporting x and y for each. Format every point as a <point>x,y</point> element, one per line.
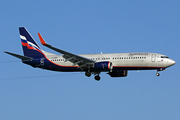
<point>115,64</point>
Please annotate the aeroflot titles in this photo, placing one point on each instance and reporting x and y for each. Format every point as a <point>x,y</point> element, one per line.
<point>131,54</point>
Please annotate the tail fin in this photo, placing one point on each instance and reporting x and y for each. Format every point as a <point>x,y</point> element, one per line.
<point>30,47</point>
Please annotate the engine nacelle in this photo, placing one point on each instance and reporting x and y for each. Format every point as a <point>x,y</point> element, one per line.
<point>103,66</point>
<point>122,73</point>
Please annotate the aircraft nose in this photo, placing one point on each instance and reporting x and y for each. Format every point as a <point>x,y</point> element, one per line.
<point>172,62</point>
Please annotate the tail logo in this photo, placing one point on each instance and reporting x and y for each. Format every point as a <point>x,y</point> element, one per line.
<point>28,44</point>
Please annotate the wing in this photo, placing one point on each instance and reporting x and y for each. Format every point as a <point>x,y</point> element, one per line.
<point>75,59</point>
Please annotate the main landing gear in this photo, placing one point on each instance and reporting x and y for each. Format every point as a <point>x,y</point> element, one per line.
<point>97,77</point>
<point>88,73</point>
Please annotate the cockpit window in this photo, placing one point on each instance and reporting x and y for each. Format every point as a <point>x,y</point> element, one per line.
<point>164,57</point>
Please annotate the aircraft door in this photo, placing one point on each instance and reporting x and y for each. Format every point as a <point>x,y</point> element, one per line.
<point>153,58</point>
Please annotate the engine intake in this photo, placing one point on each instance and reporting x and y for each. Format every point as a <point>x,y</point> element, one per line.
<point>103,66</point>
<point>122,73</point>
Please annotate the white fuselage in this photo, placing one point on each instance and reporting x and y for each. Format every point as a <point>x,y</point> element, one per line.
<point>128,60</point>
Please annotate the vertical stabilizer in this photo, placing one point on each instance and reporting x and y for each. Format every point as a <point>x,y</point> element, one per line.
<point>30,47</point>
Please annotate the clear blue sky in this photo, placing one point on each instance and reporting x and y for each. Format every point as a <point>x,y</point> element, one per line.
<point>94,26</point>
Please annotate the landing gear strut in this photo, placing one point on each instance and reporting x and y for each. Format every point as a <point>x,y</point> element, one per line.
<point>97,77</point>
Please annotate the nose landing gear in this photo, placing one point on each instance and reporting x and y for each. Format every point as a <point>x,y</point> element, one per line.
<point>157,74</point>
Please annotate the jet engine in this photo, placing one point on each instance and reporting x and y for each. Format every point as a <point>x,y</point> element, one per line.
<point>122,73</point>
<point>103,66</point>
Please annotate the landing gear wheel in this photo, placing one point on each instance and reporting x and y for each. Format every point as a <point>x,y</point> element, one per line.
<point>97,77</point>
<point>88,74</point>
<point>157,74</point>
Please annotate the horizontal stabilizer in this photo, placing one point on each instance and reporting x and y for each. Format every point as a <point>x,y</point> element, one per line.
<point>19,56</point>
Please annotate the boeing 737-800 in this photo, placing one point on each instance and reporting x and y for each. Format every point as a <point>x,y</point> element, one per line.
<point>116,64</point>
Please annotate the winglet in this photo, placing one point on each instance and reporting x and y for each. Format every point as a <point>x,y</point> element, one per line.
<point>42,40</point>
